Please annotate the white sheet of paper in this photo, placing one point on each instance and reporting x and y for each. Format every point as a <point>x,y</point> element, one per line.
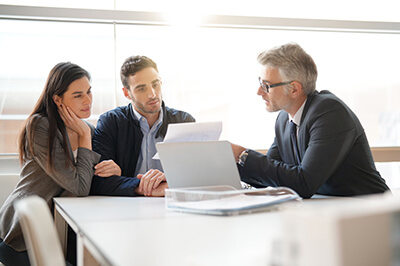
<point>186,132</point>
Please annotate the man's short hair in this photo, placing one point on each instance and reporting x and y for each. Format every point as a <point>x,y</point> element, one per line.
<point>134,64</point>
<point>293,64</point>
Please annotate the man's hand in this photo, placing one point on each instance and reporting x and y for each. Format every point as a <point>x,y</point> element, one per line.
<point>152,183</point>
<point>160,190</point>
<point>237,150</point>
<point>107,168</point>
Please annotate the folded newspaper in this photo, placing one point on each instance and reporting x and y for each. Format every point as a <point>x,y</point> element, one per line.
<point>226,200</point>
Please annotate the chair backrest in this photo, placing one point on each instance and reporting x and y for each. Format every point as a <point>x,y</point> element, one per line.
<point>41,239</point>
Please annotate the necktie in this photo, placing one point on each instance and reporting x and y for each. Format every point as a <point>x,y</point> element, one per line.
<point>293,137</point>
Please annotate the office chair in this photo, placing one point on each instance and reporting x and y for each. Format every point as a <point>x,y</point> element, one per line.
<point>41,239</point>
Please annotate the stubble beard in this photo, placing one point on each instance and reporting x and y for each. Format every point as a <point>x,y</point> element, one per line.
<point>143,109</point>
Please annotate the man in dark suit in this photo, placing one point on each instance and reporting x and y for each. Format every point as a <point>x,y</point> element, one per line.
<point>320,146</point>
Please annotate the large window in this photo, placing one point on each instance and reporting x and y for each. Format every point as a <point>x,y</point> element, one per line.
<point>209,71</point>
<point>28,51</point>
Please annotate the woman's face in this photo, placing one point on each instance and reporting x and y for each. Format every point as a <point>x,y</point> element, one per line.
<point>78,97</point>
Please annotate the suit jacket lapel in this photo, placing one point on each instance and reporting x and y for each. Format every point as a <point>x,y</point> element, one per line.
<point>301,140</point>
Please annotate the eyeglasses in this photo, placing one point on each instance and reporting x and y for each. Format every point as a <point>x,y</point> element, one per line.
<point>266,87</point>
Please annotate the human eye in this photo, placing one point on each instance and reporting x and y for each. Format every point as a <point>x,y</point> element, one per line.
<point>140,89</point>
<point>267,84</point>
<point>156,85</point>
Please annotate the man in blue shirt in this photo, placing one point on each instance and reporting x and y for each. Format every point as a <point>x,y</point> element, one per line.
<point>127,135</point>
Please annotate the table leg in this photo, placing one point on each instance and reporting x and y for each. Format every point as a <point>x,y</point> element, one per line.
<point>84,256</point>
<point>62,229</point>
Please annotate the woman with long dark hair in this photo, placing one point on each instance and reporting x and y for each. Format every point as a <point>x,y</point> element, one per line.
<point>55,150</point>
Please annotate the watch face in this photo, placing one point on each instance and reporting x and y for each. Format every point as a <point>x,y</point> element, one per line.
<point>243,157</point>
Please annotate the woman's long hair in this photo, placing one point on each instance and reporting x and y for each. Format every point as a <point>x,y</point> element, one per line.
<point>60,77</point>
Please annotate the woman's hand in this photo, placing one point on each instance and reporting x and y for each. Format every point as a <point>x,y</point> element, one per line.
<point>107,168</point>
<point>76,125</point>
<point>73,122</point>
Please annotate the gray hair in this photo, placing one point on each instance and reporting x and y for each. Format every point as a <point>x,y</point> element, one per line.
<point>293,64</point>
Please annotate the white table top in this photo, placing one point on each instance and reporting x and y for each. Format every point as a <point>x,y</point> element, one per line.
<point>185,240</point>
<point>141,231</point>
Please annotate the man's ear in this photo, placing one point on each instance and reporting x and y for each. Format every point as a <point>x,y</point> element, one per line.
<point>127,93</point>
<point>297,89</point>
<point>57,100</point>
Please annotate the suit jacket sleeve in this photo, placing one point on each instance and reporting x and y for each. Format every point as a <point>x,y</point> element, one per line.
<point>74,178</point>
<point>273,151</point>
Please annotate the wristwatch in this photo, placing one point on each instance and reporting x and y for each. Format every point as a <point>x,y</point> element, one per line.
<point>243,157</point>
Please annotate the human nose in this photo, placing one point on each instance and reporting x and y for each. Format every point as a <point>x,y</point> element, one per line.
<point>88,99</point>
<point>260,91</point>
<point>152,93</point>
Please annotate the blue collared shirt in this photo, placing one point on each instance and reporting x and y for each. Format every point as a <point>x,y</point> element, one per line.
<point>148,149</point>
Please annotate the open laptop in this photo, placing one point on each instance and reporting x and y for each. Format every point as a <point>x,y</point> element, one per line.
<point>198,164</point>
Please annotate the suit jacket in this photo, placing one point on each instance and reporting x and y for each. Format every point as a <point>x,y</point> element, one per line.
<point>65,179</point>
<point>335,155</point>
<point>118,137</point>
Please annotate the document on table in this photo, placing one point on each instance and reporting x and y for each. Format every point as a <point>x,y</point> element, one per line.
<point>188,132</point>
<point>211,200</point>
<point>231,205</point>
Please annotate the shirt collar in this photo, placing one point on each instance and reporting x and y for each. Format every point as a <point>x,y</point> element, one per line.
<point>297,117</point>
<point>136,113</point>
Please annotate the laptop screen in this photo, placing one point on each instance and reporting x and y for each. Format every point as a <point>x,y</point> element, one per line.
<point>195,164</point>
